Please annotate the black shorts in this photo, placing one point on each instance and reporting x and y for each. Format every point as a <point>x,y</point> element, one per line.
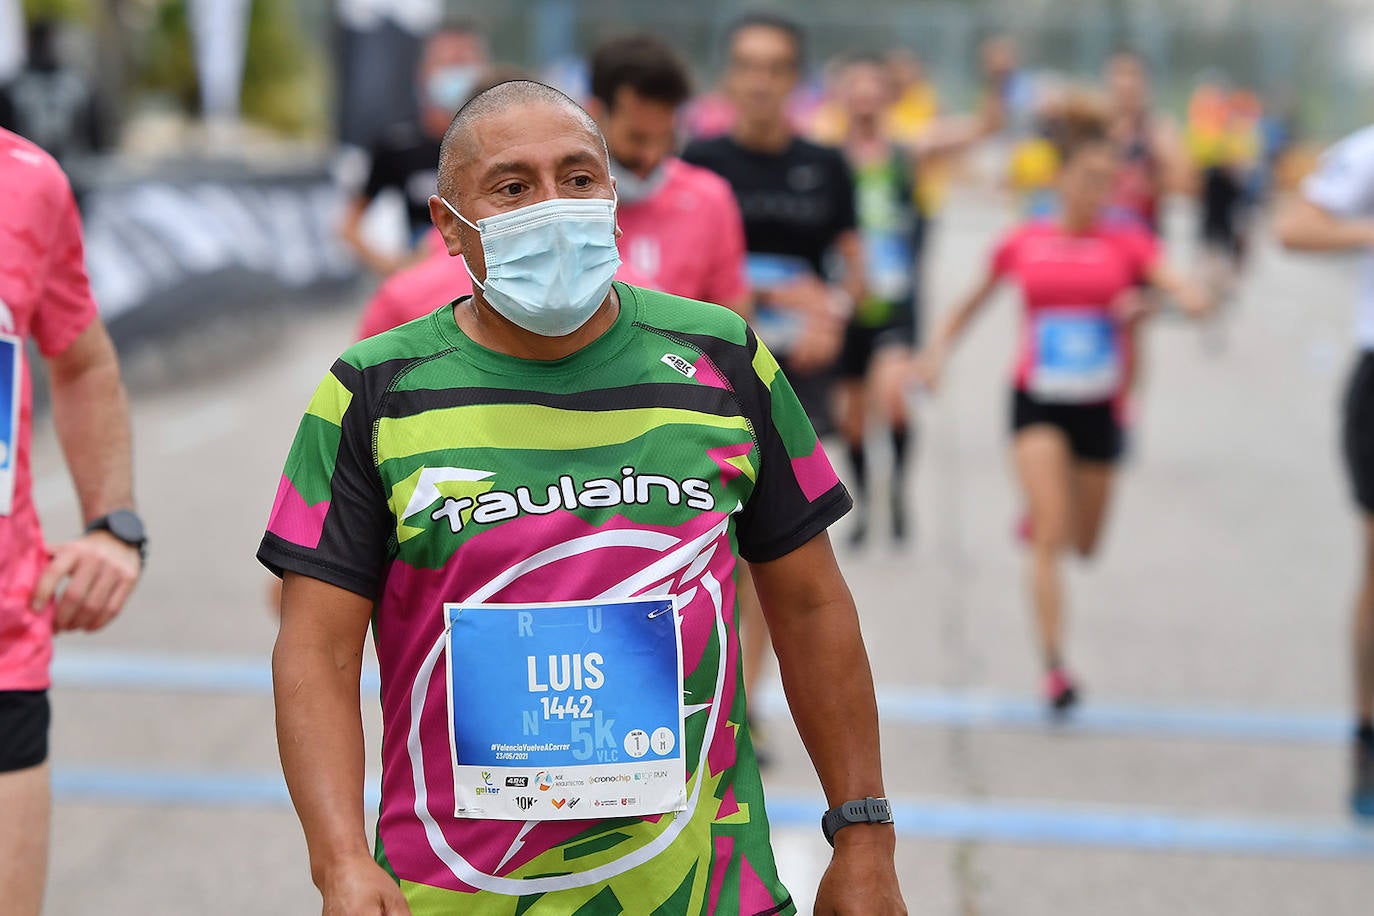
<point>1093,431</point>
<point>861,344</point>
<point>24,719</point>
<point>1357,435</point>
<point>1223,200</point>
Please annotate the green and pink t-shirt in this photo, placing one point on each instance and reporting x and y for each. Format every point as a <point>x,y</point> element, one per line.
<point>429,470</point>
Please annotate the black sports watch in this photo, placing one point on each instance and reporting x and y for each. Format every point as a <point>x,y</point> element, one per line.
<point>863,811</point>
<point>127,527</point>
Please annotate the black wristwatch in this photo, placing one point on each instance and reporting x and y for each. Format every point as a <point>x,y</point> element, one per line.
<point>863,811</point>
<point>127,527</point>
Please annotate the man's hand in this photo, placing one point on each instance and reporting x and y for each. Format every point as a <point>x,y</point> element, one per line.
<point>861,879</point>
<point>927,367</point>
<point>99,572</point>
<point>818,346</point>
<point>359,887</point>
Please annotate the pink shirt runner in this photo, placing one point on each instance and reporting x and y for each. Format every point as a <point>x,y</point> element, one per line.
<point>1084,272</point>
<point>44,296</point>
<point>688,238</point>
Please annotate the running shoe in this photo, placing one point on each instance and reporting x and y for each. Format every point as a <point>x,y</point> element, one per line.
<point>1060,691</point>
<point>1362,795</point>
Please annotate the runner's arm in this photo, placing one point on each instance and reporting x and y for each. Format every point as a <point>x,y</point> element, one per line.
<point>1193,300</point>
<point>91,413</point>
<point>825,672</point>
<point>932,358</point>
<point>97,572</point>
<point>352,233</point>
<point>1304,226</point>
<point>850,246</point>
<point>316,673</point>
<point>948,136</point>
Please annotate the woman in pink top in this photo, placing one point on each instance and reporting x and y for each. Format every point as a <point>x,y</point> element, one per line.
<point>1079,275</point>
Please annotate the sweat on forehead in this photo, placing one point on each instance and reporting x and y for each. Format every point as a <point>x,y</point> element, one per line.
<point>459,148</point>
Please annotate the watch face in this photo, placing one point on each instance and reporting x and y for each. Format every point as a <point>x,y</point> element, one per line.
<point>126,526</point>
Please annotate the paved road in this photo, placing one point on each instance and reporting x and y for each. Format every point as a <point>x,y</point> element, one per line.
<point>1207,773</point>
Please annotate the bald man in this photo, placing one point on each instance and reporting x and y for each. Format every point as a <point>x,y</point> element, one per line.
<point>538,497</point>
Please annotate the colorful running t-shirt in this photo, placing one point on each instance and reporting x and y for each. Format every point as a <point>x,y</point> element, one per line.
<point>429,469</point>
<point>687,238</point>
<point>1071,276</point>
<point>44,297</point>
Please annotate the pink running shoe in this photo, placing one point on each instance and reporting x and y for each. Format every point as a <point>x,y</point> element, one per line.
<point>1060,691</point>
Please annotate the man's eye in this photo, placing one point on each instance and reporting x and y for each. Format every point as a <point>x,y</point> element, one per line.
<point>513,189</point>
<point>583,181</point>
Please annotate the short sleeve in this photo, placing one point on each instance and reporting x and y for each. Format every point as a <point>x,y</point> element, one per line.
<point>1003,262</point>
<point>330,520</point>
<point>65,306</point>
<point>797,495</point>
<point>728,281</point>
<point>1343,183</point>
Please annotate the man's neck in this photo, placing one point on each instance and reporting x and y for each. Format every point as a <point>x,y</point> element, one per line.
<point>772,135</point>
<point>484,325</point>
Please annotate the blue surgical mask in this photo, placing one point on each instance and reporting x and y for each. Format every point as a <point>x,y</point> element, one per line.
<point>549,265</point>
<point>633,189</point>
<point>449,87</point>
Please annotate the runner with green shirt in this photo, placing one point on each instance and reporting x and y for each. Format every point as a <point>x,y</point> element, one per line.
<point>883,329</point>
<point>538,498</point>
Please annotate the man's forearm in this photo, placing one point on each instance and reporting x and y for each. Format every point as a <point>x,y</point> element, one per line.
<point>829,686</point>
<point>320,737</point>
<point>91,413</point>
<point>1301,227</point>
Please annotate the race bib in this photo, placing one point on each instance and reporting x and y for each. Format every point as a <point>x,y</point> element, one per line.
<point>1077,360</point>
<point>889,264</point>
<point>566,711</point>
<point>11,354</point>
<point>779,329</point>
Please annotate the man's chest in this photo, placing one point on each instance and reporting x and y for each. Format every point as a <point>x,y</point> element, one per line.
<point>542,473</point>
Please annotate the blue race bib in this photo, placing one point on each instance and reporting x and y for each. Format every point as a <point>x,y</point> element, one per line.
<point>1077,360</point>
<point>11,354</point>
<point>566,711</point>
<point>779,329</point>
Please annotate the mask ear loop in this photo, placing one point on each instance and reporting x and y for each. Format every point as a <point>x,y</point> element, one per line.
<point>475,282</point>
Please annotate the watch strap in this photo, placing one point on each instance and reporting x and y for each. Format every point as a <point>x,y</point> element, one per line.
<point>860,811</point>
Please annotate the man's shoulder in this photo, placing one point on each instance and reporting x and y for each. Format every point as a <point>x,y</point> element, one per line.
<point>708,150</point>
<point>700,181</point>
<point>28,165</point>
<point>387,354</point>
<point>806,150</point>
<point>665,313</point>
<point>437,275</point>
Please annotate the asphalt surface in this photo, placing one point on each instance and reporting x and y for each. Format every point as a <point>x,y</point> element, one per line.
<point>1206,775</point>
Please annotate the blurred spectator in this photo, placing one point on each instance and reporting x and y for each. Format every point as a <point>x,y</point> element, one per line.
<point>1152,159</point>
<point>50,103</point>
<point>917,100</point>
<point>681,227</point>
<point>406,158</point>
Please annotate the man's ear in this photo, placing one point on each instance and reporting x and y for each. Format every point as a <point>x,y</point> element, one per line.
<point>447,224</point>
<point>618,231</point>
